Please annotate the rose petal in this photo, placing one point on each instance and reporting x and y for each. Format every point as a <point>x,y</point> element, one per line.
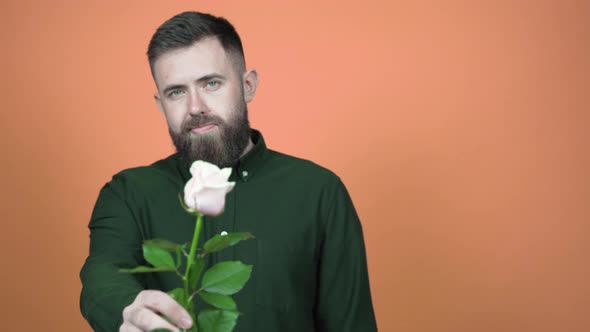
<point>211,202</point>
<point>188,192</point>
<point>225,173</point>
<point>203,167</point>
<point>207,189</point>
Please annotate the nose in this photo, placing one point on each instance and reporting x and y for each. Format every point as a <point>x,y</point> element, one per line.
<point>197,104</point>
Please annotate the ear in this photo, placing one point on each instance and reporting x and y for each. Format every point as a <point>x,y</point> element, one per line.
<point>250,82</point>
<point>158,101</point>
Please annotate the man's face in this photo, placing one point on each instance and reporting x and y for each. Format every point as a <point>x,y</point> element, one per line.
<point>203,96</point>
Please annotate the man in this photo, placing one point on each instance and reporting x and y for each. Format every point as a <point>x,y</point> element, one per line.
<point>310,271</point>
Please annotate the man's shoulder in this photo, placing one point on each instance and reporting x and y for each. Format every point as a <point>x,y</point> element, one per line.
<point>163,169</point>
<point>300,167</point>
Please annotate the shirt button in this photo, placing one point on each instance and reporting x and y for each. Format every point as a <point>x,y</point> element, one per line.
<point>244,173</point>
<point>224,233</point>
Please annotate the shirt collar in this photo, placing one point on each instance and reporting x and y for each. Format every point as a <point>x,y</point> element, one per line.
<point>245,168</point>
<point>252,161</point>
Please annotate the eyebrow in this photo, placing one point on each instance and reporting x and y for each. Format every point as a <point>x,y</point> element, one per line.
<point>200,80</point>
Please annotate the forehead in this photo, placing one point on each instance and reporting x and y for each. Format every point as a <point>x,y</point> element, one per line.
<point>188,64</point>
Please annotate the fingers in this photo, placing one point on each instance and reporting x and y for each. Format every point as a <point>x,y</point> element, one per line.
<point>145,313</point>
<point>146,320</point>
<point>129,328</point>
<point>164,304</point>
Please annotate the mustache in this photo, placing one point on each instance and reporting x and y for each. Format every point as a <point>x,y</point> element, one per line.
<point>201,120</point>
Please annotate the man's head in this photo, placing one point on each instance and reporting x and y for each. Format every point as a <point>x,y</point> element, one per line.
<point>197,62</point>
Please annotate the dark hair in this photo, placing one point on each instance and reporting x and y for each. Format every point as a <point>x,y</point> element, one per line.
<point>187,28</point>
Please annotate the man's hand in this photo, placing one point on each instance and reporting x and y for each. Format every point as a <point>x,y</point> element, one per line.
<point>144,313</point>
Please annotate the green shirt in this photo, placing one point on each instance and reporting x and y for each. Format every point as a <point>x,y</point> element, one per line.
<point>310,269</point>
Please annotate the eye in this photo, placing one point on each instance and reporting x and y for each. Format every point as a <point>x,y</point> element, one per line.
<point>175,93</point>
<point>213,85</point>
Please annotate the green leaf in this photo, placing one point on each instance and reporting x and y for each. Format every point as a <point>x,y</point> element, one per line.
<point>144,269</point>
<point>158,257</point>
<point>160,330</point>
<point>193,328</point>
<point>226,277</point>
<point>163,244</point>
<point>219,242</point>
<point>218,320</point>
<point>195,272</point>
<point>168,246</point>
<point>191,311</point>
<point>178,295</point>
<point>218,300</point>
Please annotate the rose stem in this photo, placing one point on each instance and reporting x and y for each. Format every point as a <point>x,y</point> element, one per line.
<point>191,255</point>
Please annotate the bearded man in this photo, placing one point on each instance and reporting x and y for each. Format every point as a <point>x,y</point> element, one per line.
<point>310,270</point>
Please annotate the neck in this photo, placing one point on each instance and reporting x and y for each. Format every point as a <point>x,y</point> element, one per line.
<point>248,147</point>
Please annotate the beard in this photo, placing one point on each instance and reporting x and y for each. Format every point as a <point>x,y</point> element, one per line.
<point>222,147</point>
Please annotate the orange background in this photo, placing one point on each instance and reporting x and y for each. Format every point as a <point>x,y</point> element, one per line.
<point>459,127</point>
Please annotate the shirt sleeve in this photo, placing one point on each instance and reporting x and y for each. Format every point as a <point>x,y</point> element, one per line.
<point>115,242</point>
<point>343,301</point>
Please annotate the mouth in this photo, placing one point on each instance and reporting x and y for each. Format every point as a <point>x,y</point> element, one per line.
<point>203,129</point>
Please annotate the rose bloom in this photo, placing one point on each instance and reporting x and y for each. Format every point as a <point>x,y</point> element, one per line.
<point>205,191</point>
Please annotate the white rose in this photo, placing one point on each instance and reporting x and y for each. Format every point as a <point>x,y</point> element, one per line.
<point>205,191</point>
